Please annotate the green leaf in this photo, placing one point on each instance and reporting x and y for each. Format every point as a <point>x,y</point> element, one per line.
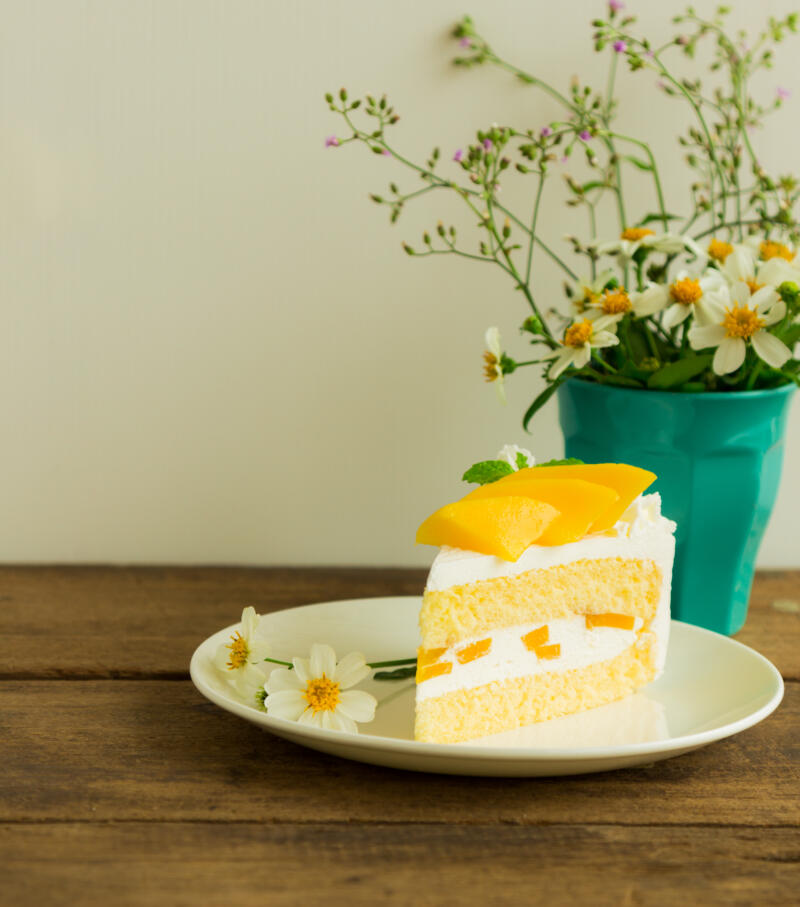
<point>540,401</point>
<point>637,162</point>
<point>619,381</point>
<point>569,461</point>
<point>655,216</point>
<point>487,471</point>
<point>522,460</point>
<point>679,372</point>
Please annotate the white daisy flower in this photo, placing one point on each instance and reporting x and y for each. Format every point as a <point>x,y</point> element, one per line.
<point>580,338</point>
<point>615,303</point>
<point>510,452</point>
<point>241,661</point>
<point>699,294</point>
<point>745,320</point>
<point>583,292</point>
<point>317,691</point>
<point>634,238</point>
<point>744,264</point>
<point>493,362</point>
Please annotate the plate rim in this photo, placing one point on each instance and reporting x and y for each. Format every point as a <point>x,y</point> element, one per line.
<point>472,752</point>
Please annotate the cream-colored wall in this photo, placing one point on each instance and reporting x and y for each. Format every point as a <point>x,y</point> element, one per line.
<point>213,348</point>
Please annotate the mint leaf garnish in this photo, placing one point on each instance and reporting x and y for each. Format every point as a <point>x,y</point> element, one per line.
<point>522,460</point>
<point>487,471</point>
<point>570,461</point>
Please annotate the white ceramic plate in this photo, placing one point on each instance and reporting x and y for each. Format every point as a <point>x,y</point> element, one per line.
<point>712,687</point>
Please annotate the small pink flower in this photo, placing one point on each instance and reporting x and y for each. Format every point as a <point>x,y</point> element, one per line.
<point>783,93</point>
<point>563,159</point>
<point>585,135</point>
<point>615,5</point>
<point>620,47</point>
<point>487,144</point>
<point>331,142</point>
<point>465,42</point>
<point>386,152</point>
<point>649,54</point>
<point>546,131</point>
<point>458,155</point>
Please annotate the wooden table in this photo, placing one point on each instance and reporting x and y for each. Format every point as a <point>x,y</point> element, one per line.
<point>120,784</point>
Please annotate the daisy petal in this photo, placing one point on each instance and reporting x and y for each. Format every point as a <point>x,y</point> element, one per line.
<point>309,718</point>
<point>604,338</point>
<point>289,704</point>
<point>701,337</point>
<point>740,293</point>
<point>283,679</point>
<point>322,661</point>
<point>729,355</point>
<point>350,670</point>
<point>302,669</point>
<point>582,356</point>
<point>561,362</point>
<point>358,705</point>
<point>676,314</point>
<point>249,621</point>
<point>773,351</point>
<point>776,313</point>
<point>764,299</point>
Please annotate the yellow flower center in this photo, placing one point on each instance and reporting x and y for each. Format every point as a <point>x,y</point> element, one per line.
<point>769,249</point>
<point>322,694</point>
<point>635,233</point>
<point>719,250</point>
<point>686,291</point>
<point>578,334</point>
<point>616,302</point>
<point>240,652</point>
<point>740,321</point>
<point>490,369</point>
<point>754,287</point>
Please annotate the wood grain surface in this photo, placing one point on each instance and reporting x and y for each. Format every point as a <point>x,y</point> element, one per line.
<point>120,784</point>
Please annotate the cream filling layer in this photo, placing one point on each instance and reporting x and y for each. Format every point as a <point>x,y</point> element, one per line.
<point>508,656</point>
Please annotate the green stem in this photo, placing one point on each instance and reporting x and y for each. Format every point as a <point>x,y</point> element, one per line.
<point>751,381</point>
<point>534,218</point>
<point>372,664</point>
<point>654,170</point>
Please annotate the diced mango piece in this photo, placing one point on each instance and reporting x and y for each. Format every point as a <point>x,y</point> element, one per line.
<point>474,650</point>
<point>536,638</point>
<point>434,670</point>
<point>619,621</point>
<point>628,482</point>
<point>502,526</point>
<point>552,651</point>
<point>427,657</point>
<point>580,503</point>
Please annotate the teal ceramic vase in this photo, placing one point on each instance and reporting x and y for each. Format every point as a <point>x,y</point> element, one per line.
<point>718,460</point>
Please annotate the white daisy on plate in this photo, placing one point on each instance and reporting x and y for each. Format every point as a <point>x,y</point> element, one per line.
<point>580,338</point>
<point>241,661</point>
<point>746,319</point>
<point>690,293</point>
<point>317,692</point>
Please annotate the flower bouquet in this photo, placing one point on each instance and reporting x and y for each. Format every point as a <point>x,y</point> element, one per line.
<point>695,302</point>
<point>701,301</point>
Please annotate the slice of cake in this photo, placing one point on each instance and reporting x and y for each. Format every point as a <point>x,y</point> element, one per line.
<point>550,595</point>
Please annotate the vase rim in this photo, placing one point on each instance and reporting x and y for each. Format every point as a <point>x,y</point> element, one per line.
<point>705,395</point>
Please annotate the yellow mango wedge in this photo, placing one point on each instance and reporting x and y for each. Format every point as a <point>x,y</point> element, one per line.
<point>580,503</point>
<point>503,526</point>
<point>628,482</point>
